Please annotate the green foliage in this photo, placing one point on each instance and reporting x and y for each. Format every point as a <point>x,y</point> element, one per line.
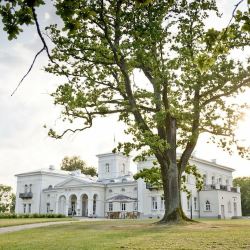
<point>154,178</point>
<point>76,163</point>
<point>244,183</point>
<point>21,216</point>
<point>15,14</point>
<point>7,199</point>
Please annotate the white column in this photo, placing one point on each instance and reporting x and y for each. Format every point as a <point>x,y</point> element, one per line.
<point>78,206</point>
<point>56,211</point>
<point>90,207</point>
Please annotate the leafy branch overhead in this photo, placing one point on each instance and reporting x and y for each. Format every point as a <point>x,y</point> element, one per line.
<point>153,177</point>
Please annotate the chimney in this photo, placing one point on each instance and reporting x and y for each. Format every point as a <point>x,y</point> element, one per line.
<point>51,167</point>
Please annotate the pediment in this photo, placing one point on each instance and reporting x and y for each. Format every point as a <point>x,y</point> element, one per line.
<point>72,182</point>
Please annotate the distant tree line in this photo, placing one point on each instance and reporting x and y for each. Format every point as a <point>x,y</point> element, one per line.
<point>76,163</point>
<point>7,199</point>
<point>244,183</point>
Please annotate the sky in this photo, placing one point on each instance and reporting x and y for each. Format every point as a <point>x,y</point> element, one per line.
<point>24,143</point>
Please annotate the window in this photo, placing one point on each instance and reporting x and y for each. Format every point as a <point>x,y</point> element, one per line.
<point>24,208</point>
<point>124,180</point>
<point>135,188</point>
<point>219,181</point>
<point>29,208</point>
<point>208,206</point>
<point>110,206</point>
<point>213,180</point>
<point>123,189</point>
<point>162,203</point>
<point>227,182</point>
<point>123,206</point>
<point>107,168</point>
<point>48,208</point>
<point>110,191</point>
<point>135,207</point>
<point>26,188</point>
<point>154,203</point>
<point>30,187</point>
<point>195,203</point>
<point>229,207</point>
<point>204,180</point>
<point>188,203</point>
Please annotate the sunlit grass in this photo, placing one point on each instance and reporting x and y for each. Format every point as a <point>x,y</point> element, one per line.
<point>132,234</point>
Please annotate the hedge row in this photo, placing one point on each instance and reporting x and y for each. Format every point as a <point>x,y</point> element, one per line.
<point>17,216</point>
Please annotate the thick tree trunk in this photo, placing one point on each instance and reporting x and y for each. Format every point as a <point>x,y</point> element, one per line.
<point>171,179</point>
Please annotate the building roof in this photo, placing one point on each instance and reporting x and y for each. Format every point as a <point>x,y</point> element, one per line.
<point>121,198</point>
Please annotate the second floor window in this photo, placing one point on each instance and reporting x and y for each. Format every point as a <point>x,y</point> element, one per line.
<point>30,188</point>
<point>107,168</point>
<point>123,206</point>
<point>26,188</point>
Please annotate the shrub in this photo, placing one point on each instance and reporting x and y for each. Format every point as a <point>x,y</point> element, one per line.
<point>35,215</point>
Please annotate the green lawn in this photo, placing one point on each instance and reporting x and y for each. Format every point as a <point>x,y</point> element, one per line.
<point>136,234</point>
<point>23,221</point>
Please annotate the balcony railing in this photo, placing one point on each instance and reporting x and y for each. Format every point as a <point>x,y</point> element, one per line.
<point>27,195</point>
<point>220,187</point>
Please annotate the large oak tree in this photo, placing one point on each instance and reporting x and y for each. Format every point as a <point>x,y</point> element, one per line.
<point>187,85</point>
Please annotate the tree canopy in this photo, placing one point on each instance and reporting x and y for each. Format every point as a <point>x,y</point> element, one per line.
<point>76,163</point>
<point>244,183</point>
<point>7,199</point>
<point>157,65</point>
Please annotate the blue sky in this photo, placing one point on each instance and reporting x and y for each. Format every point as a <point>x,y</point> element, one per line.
<point>24,144</point>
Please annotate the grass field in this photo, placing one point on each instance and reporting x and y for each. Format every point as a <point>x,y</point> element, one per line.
<point>136,234</point>
<point>23,221</point>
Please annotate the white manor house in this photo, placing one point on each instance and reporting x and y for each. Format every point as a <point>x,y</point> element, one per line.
<point>115,194</point>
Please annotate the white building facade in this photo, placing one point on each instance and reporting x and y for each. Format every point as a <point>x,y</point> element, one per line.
<point>115,194</point>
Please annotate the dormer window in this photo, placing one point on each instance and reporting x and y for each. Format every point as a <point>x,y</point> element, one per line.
<point>107,167</point>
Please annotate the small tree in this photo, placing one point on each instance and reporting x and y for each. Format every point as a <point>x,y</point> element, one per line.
<point>7,199</point>
<point>76,163</point>
<point>244,183</point>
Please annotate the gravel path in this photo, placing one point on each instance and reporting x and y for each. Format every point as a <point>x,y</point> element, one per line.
<point>43,224</point>
<point>29,226</point>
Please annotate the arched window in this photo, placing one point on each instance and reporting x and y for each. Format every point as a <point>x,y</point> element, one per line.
<point>208,206</point>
